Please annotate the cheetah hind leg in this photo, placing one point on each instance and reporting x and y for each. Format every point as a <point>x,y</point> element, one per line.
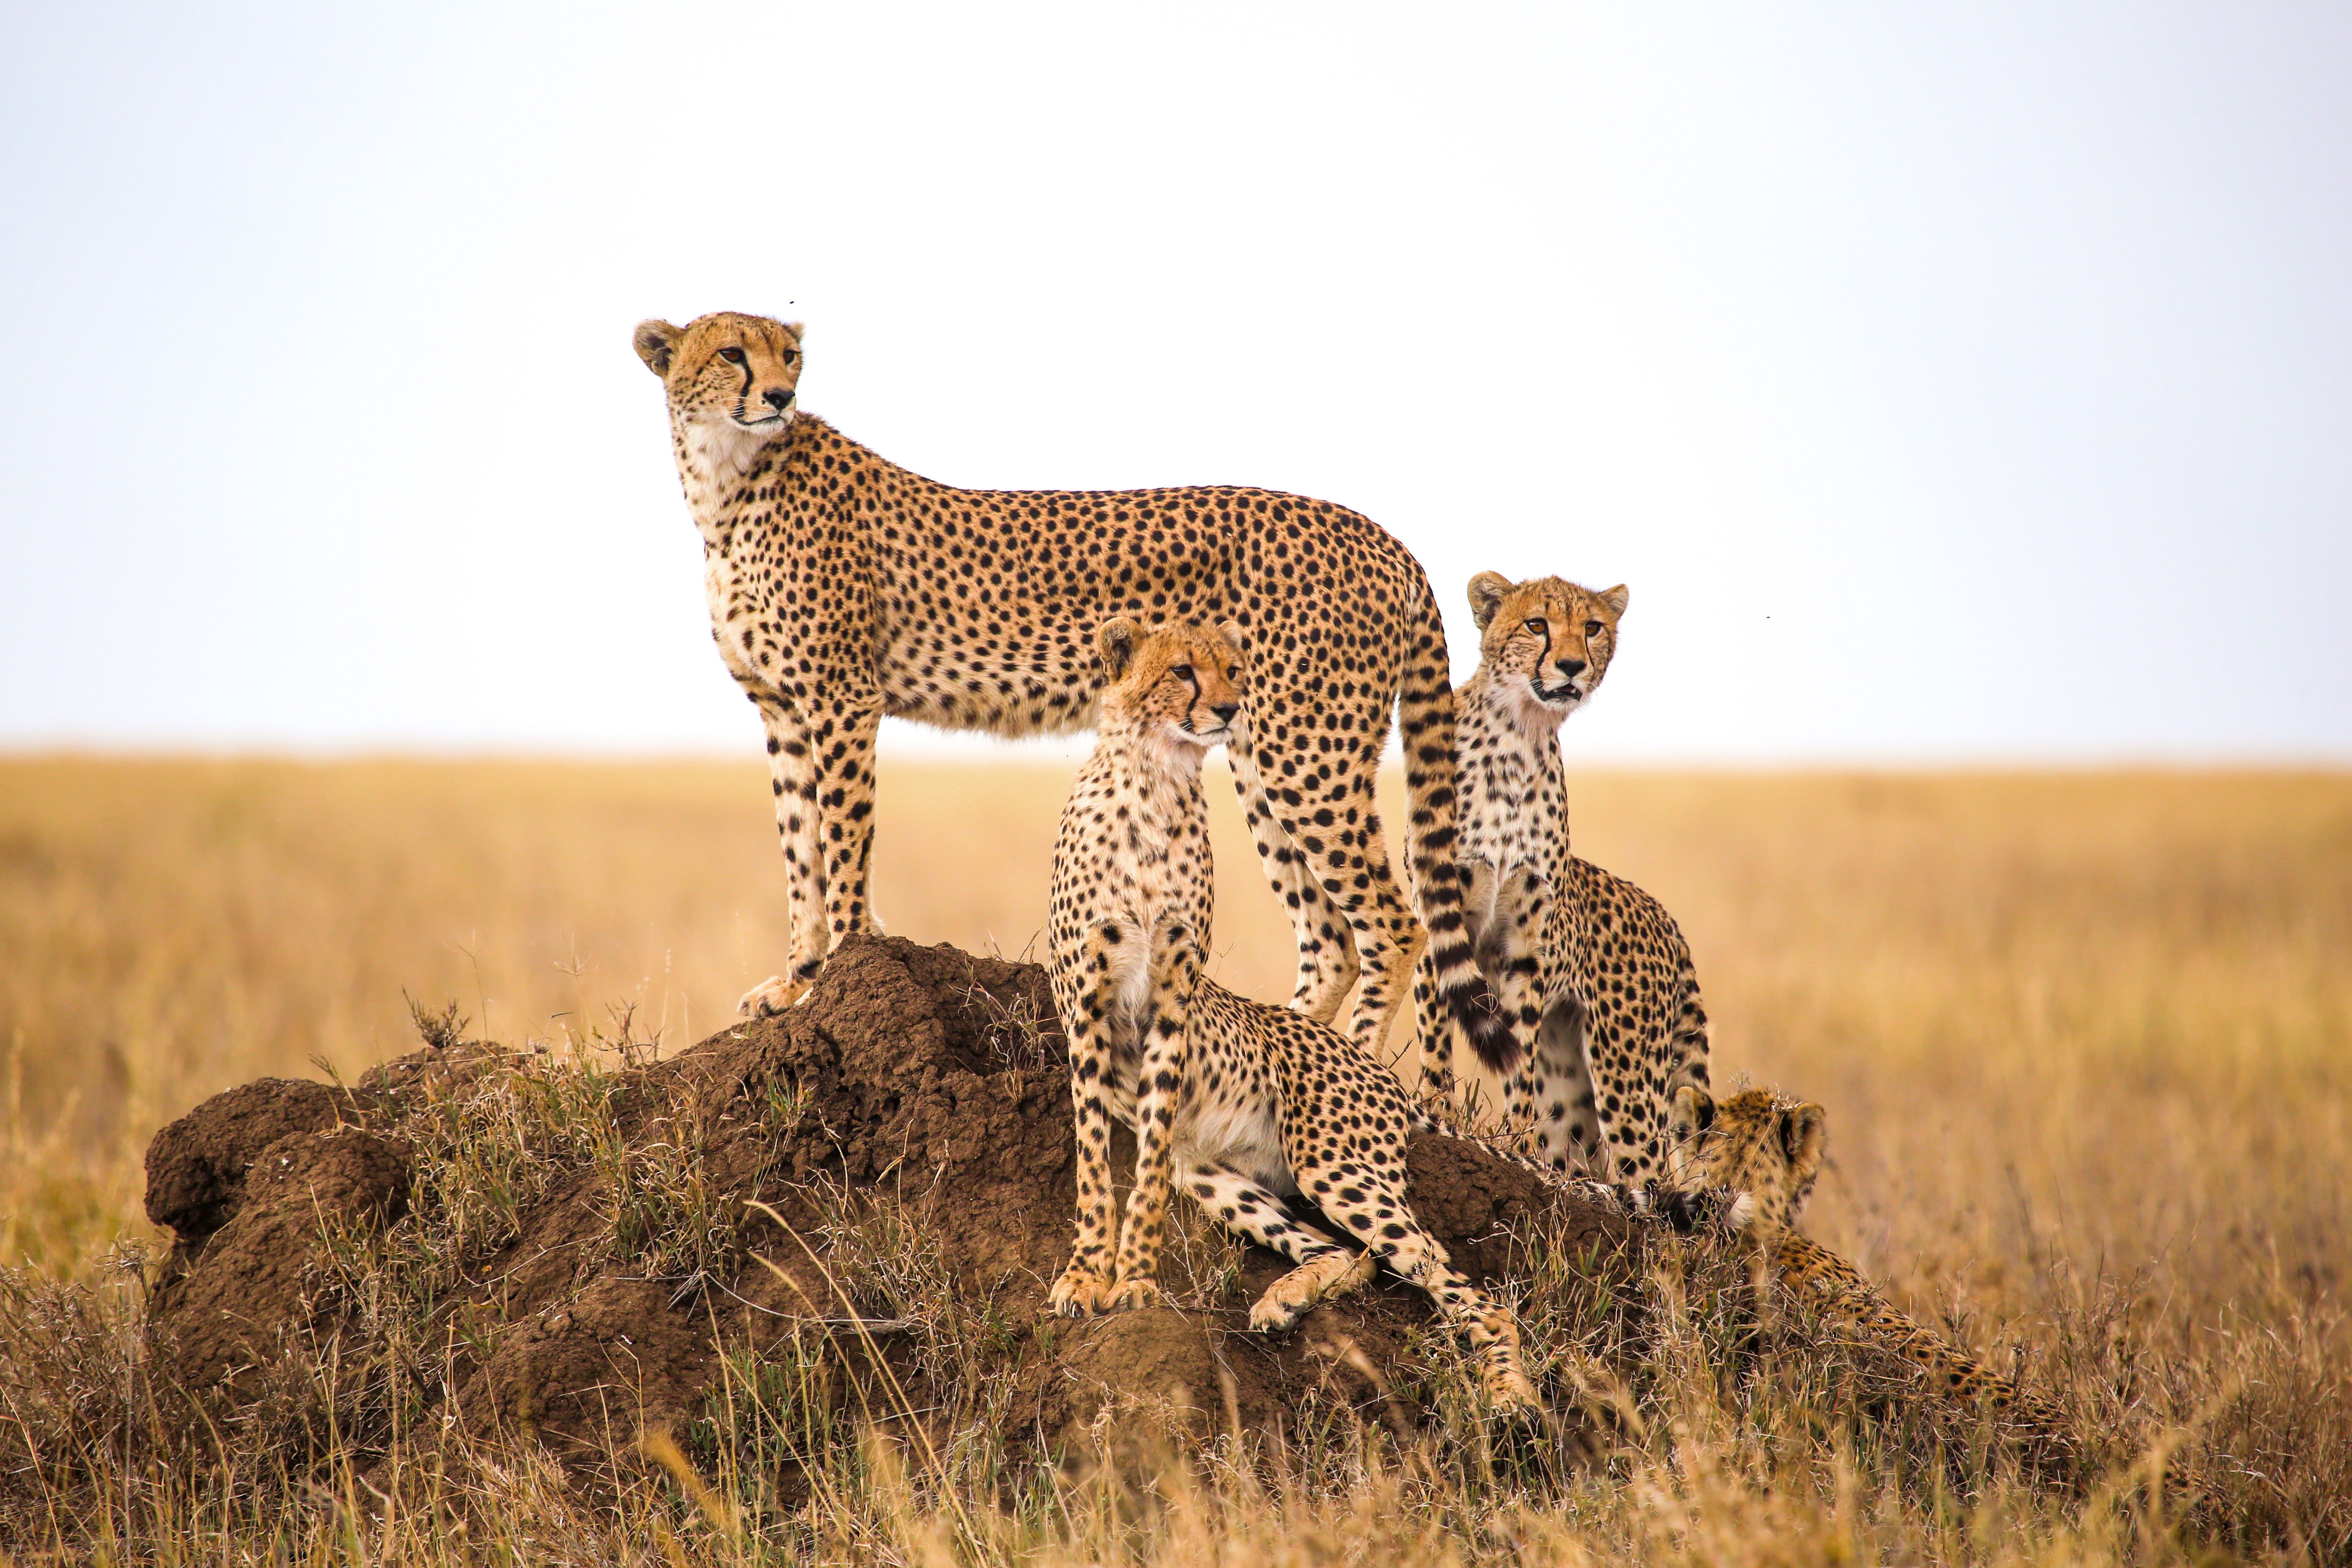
<point>1392,1233</point>
<point>1552,1095</point>
<point>1327,946</point>
<point>1325,1270</point>
<point>1433,1032</point>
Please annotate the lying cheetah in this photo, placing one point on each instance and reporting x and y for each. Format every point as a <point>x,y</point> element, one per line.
<point>1239,1103</point>
<point>1771,1148</point>
<point>1594,976</point>
<point>843,588</point>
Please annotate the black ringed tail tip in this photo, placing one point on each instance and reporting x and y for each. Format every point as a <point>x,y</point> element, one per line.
<point>1490,1034</point>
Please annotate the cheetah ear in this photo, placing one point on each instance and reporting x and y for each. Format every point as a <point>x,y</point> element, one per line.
<point>1232,632</point>
<point>1486,590</point>
<point>799,331</point>
<point>1804,1137</point>
<point>1615,598</point>
<point>656,341</point>
<point>1116,642</point>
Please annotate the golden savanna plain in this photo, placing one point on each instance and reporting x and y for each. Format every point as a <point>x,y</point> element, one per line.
<point>2085,1040</point>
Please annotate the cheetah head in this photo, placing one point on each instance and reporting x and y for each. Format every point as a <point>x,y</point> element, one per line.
<point>1755,1142</point>
<point>1546,643</point>
<point>1179,684</point>
<point>741,373</point>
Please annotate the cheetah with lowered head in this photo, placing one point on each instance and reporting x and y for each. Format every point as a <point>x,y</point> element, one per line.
<point>1238,1103</point>
<point>1771,1148</point>
<point>1595,979</point>
<point>843,588</point>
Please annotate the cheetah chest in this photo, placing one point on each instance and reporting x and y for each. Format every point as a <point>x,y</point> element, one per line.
<point>739,617</point>
<point>1510,815</point>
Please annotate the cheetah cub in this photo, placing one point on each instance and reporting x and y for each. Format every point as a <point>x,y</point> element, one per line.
<point>1241,1104</point>
<point>1594,978</point>
<point>1771,1148</point>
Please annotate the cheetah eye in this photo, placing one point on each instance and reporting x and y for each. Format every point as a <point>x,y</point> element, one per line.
<point>732,356</point>
<point>1535,624</point>
<point>1181,672</point>
<point>792,356</point>
<point>1592,629</point>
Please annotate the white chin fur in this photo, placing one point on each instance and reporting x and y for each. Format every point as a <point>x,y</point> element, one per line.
<point>722,447</point>
<point>1181,751</point>
<point>1536,716</point>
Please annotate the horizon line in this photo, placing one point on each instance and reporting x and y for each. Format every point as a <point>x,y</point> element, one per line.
<point>1030,754</point>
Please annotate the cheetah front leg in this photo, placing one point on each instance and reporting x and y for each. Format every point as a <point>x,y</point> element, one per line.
<point>792,776</point>
<point>1086,986</point>
<point>842,745</point>
<point>1510,950</point>
<point>1159,1088</point>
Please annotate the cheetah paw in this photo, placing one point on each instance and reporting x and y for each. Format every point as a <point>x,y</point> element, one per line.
<point>1272,1317</point>
<point>1132,1293</point>
<point>1079,1293</point>
<point>1286,1301</point>
<point>772,995</point>
<point>1510,1392</point>
<point>1297,1293</point>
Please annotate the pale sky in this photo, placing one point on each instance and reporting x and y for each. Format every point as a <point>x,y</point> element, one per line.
<point>1949,384</point>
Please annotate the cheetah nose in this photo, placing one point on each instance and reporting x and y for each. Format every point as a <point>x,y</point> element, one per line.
<point>1225,711</point>
<point>777,397</point>
<point>1571,666</point>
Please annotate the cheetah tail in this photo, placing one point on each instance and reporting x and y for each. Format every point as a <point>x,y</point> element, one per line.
<point>1425,728</point>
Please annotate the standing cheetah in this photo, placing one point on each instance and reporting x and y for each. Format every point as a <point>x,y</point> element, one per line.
<point>1771,1149</point>
<point>1594,976</point>
<point>843,588</point>
<point>1239,1103</point>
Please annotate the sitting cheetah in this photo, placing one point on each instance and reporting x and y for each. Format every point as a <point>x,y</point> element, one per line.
<point>1594,976</point>
<point>843,588</point>
<point>1240,1103</point>
<point>1771,1148</point>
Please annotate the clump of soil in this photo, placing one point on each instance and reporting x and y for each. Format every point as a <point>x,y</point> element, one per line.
<point>859,1205</point>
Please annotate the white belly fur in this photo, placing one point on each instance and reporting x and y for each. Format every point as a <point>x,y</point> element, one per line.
<point>1131,970</point>
<point>1241,1137</point>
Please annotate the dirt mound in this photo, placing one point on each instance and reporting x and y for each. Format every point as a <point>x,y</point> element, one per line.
<point>579,1248</point>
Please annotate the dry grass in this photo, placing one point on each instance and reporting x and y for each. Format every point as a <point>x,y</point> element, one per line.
<point>2083,1041</point>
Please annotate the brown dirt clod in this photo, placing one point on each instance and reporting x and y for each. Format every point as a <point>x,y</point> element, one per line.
<point>230,1309</point>
<point>196,1166</point>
